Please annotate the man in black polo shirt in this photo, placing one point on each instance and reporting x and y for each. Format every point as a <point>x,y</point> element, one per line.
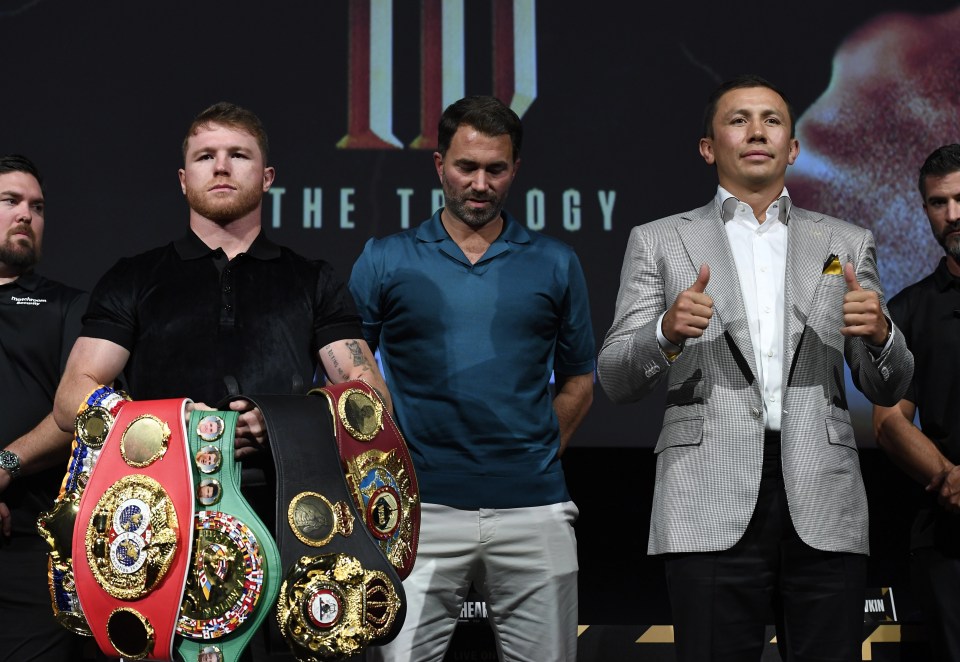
<point>39,320</point>
<point>222,310</point>
<point>928,313</point>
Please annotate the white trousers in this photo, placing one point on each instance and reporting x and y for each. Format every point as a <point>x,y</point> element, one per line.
<point>522,560</point>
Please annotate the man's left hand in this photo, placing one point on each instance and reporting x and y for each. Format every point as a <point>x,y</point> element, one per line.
<point>251,434</point>
<point>862,314</point>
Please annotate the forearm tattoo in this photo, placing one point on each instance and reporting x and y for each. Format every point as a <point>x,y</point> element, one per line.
<point>358,358</point>
<point>336,364</point>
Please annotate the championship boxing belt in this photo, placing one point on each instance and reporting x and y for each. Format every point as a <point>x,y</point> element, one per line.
<point>131,541</point>
<point>378,468</point>
<point>235,570</point>
<point>94,419</point>
<point>340,594</point>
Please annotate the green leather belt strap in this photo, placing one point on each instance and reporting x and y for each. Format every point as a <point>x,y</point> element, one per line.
<point>235,572</point>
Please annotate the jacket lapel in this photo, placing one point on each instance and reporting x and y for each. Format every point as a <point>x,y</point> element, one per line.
<point>705,241</point>
<point>807,247</point>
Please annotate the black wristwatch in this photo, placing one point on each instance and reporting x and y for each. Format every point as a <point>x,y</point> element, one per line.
<point>10,462</point>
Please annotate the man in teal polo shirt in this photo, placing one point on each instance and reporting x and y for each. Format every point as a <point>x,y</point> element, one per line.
<point>472,313</point>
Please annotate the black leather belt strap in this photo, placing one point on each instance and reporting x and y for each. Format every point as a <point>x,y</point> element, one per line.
<point>340,594</point>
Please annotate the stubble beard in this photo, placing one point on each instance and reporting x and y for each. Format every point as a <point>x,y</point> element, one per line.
<point>475,218</point>
<point>224,210</point>
<point>951,245</point>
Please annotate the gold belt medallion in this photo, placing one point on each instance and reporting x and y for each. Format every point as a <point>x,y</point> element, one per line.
<point>144,441</point>
<point>360,414</point>
<point>314,520</point>
<point>330,606</point>
<point>226,580</point>
<point>380,482</point>
<point>132,537</point>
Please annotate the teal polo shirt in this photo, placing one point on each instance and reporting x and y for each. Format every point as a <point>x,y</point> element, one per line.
<point>468,351</point>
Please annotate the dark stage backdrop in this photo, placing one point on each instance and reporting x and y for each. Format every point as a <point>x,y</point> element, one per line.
<point>611,95</point>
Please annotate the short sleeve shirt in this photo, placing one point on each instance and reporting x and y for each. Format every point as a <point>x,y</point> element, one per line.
<point>468,351</point>
<point>39,321</point>
<point>196,323</point>
<point>928,315</point>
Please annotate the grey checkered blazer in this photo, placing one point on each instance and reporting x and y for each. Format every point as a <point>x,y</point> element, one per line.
<point>710,448</point>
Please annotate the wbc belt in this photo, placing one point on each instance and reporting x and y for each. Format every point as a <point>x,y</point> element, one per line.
<point>131,541</point>
<point>339,594</point>
<point>235,568</point>
<point>378,469</point>
<point>94,420</point>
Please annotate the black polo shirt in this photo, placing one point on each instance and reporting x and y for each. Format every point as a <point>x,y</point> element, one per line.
<point>192,319</point>
<point>39,321</point>
<point>928,314</point>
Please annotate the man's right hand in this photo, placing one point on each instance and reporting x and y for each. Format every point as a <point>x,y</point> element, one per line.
<point>946,485</point>
<point>690,313</point>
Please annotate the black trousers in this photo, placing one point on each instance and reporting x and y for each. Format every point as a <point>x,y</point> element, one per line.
<point>722,601</point>
<point>935,577</point>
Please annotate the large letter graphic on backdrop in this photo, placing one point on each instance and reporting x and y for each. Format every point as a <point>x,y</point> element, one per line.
<point>442,63</point>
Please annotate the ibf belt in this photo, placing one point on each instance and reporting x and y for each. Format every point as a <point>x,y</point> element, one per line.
<point>339,594</point>
<point>235,569</point>
<point>93,423</point>
<point>378,469</point>
<point>131,541</point>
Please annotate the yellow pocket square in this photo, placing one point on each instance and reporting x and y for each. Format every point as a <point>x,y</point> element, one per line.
<point>832,266</point>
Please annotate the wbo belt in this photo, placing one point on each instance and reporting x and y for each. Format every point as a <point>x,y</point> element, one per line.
<point>234,571</point>
<point>339,594</point>
<point>131,541</point>
<point>378,469</point>
<point>56,526</point>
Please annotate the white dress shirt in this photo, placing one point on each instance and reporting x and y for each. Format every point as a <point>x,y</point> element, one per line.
<point>760,253</point>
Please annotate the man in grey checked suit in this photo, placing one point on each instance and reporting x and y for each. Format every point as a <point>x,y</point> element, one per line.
<point>748,307</point>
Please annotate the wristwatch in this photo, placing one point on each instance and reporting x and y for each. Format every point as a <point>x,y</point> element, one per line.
<point>10,462</point>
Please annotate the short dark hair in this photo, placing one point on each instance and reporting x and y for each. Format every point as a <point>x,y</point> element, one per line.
<point>486,114</point>
<point>942,161</point>
<point>234,117</point>
<point>739,83</point>
<point>20,163</point>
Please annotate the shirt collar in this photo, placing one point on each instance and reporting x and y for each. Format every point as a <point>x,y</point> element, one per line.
<point>433,230</point>
<point>28,281</point>
<point>191,247</point>
<point>727,203</point>
<point>942,277</point>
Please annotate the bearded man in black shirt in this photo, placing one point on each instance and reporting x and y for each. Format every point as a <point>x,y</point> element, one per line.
<point>928,312</point>
<point>39,320</point>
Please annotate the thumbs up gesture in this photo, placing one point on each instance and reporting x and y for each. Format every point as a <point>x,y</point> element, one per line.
<point>862,314</point>
<point>691,312</point>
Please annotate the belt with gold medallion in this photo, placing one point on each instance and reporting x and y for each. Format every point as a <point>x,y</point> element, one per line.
<point>378,469</point>
<point>131,541</point>
<point>339,594</point>
<point>235,570</point>
<point>56,526</point>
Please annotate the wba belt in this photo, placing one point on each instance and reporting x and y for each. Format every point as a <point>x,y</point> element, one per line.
<point>132,537</point>
<point>56,526</point>
<point>339,594</point>
<point>235,568</point>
